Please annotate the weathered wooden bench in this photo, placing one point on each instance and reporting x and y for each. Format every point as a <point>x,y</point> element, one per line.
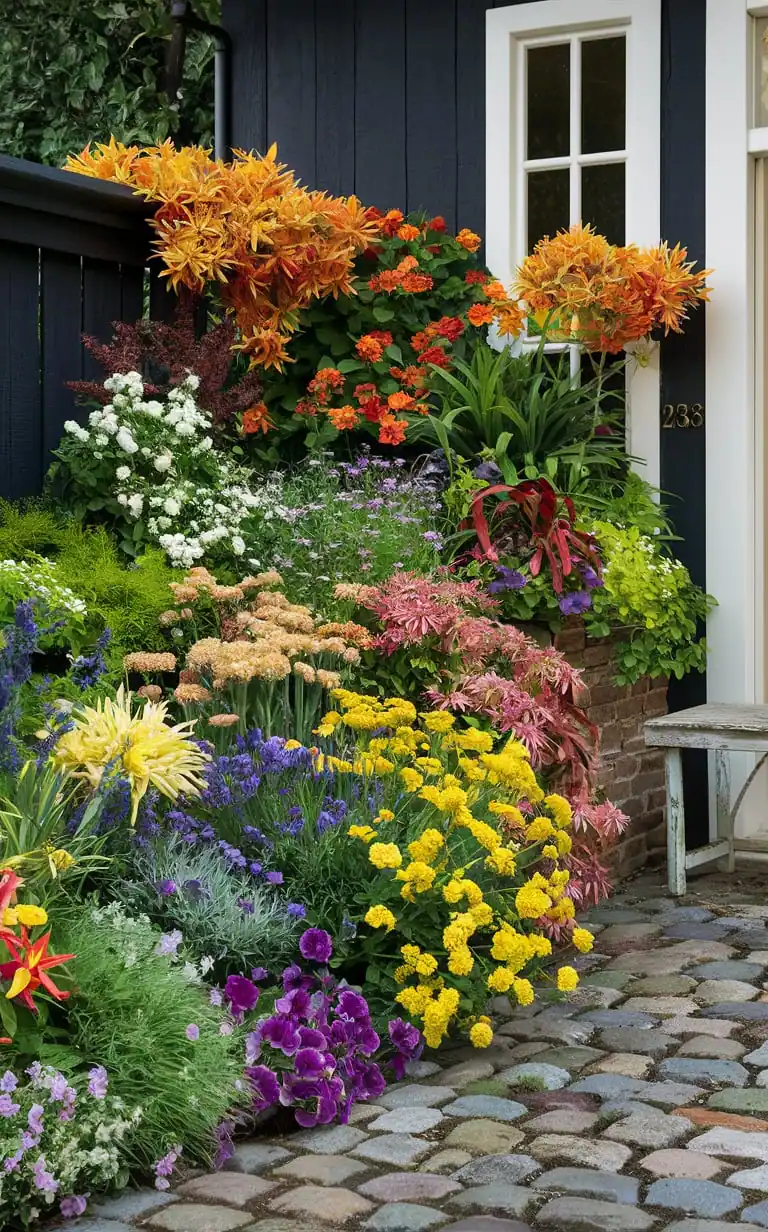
<point>725,729</point>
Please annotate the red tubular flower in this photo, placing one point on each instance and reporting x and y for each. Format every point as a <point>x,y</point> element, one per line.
<point>437,224</point>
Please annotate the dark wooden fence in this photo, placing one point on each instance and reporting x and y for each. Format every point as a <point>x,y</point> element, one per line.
<point>73,257</point>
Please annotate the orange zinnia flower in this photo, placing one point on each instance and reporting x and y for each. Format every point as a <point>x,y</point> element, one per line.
<point>437,224</point>
<point>400,401</point>
<point>495,290</point>
<point>417,282</point>
<point>256,419</point>
<point>408,232</point>
<point>391,431</point>
<point>369,348</point>
<point>343,417</point>
<point>468,239</point>
<point>391,221</point>
<point>475,276</point>
<point>481,314</point>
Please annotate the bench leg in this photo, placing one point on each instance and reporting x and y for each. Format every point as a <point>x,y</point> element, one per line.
<point>723,804</point>
<point>675,822</point>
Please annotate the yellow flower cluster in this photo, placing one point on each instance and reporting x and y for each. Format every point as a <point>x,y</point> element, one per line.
<point>450,872</point>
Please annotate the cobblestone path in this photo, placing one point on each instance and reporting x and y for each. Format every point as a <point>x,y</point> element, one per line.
<point>640,1104</point>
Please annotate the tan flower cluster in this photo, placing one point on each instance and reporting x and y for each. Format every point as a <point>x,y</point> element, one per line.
<point>152,692</point>
<point>186,693</point>
<point>223,720</point>
<point>145,662</point>
<point>357,592</point>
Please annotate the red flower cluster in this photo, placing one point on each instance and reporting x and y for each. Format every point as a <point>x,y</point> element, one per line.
<point>403,277</point>
<point>371,346</point>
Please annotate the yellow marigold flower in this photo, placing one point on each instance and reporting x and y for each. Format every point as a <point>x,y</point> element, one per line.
<point>426,965</point>
<point>524,993</point>
<point>380,917</point>
<point>431,794</point>
<point>567,979</point>
<point>549,852</point>
<point>531,902</point>
<point>31,916</point>
<point>480,1035</point>
<point>540,828</point>
<point>482,913</point>
<point>430,765</point>
<point>564,843</point>
<point>385,815</point>
<point>10,917</point>
<point>339,765</point>
<point>512,948</point>
<point>453,798</point>
<point>460,961</point>
<point>560,810</point>
<point>402,974</point>
<point>500,980</point>
<point>502,861</point>
<point>149,750</point>
<point>414,1000</point>
<point>411,779</point>
<point>418,878</point>
<point>362,718</point>
<point>485,835</point>
<point>540,946</point>
<point>366,833</point>
<point>582,939</point>
<point>438,721</point>
<point>427,847</point>
<point>562,910</point>
<point>510,812</point>
<point>61,859</point>
<point>474,740</point>
<point>457,933</point>
<point>385,855</point>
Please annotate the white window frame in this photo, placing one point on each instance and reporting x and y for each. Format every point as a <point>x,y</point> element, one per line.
<point>508,32</point>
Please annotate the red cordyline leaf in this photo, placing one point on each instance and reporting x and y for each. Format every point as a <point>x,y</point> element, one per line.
<point>553,534</point>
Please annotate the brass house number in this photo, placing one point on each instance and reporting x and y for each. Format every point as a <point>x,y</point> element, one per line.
<point>682,415</point>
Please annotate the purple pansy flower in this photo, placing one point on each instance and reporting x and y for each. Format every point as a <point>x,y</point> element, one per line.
<point>266,1088</point>
<point>73,1206</point>
<point>311,1063</point>
<point>280,1033</point>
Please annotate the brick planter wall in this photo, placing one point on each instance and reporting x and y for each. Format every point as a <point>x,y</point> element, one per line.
<point>631,775</point>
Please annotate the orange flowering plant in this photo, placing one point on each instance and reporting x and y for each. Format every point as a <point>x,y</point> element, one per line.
<point>246,227</point>
<point>366,360</point>
<point>28,958</point>
<point>579,288</point>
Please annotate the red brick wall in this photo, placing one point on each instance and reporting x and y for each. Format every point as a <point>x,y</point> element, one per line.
<point>631,775</point>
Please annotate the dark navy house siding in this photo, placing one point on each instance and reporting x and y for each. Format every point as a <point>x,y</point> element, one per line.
<point>387,100</point>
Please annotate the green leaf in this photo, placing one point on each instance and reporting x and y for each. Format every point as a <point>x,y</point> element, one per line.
<point>381,313</point>
<point>8,1017</point>
<point>394,352</point>
<point>350,365</point>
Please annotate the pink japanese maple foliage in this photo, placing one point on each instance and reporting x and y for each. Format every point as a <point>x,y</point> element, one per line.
<point>493,671</point>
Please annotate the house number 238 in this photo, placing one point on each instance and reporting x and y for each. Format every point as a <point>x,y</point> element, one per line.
<point>682,415</point>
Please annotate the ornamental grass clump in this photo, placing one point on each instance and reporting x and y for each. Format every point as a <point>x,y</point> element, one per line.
<point>148,467</point>
<point>461,868</point>
<point>61,1138</point>
<point>142,1014</point>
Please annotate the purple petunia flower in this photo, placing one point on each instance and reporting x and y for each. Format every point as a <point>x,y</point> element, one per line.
<point>280,1033</point>
<point>310,1063</point>
<point>35,1119</point>
<point>507,579</point>
<point>241,994</point>
<point>574,603</point>
<point>8,1082</point>
<point>43,1178</point>
<point>98,1082</point>
<point>259,974</point>
<point>316,945</point>
<point>296,1003</point>
<point>265,1086</point>
<point>7,1106</point>
<point>592,579</point>
<point>192,1032</point>
<point>351,1005</point>
<point>73,1206</point>
<point>169,943</point>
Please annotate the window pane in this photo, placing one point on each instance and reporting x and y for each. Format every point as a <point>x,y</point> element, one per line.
<point>603,200</point>
<point>603,94</point>
<point>549,101</point>
<point>548,203</point>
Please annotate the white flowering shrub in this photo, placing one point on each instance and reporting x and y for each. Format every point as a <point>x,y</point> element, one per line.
<point>150,467</point>
<point>59,1142</point>
<point>59,612</point>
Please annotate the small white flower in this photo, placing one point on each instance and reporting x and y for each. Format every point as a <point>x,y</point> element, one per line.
<point>163,462</point>
<point>136,504</point>
<point>171,506</point>
<point>191,381</point>
<point>238,545</point>
<point>123,472</point>
<point>126,441</point>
